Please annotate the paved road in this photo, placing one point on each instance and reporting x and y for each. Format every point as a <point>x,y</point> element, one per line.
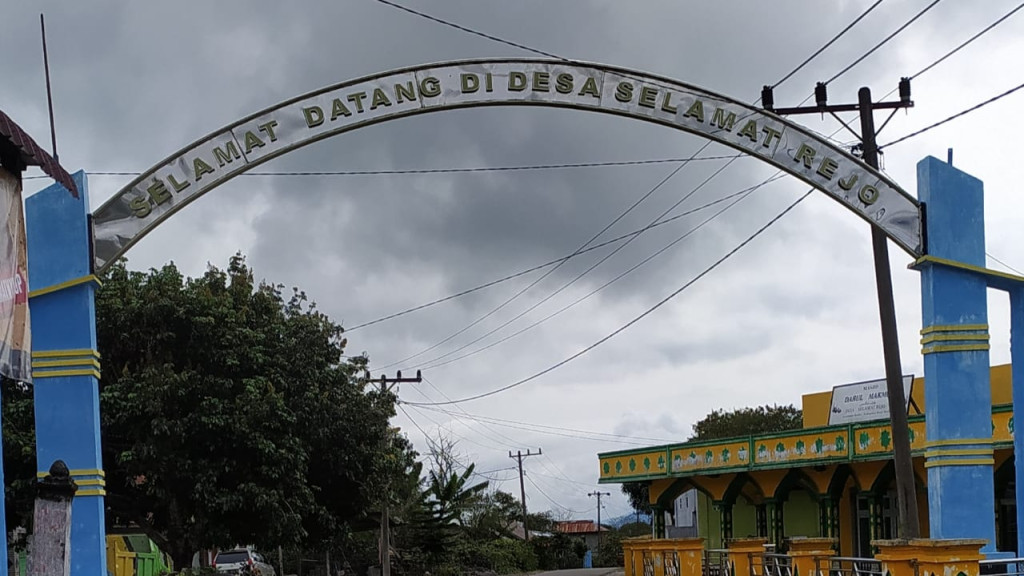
<point>584,572</point>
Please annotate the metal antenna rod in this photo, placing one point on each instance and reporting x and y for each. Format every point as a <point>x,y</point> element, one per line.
<point>49,91</point>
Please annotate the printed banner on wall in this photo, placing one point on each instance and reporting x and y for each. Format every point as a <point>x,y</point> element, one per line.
<point>15,331</point>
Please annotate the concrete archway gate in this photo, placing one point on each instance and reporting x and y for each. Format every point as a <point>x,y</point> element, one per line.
<point>68,246</point>
<point>205,164</point>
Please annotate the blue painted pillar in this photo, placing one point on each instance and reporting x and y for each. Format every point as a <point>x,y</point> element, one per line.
<point>958,397</point>
<point>3,509</point>
<point>1017,377</point>
<point>65,362</point>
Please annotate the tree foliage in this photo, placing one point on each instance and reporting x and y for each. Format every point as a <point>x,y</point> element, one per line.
<point>228,415</point>
<point>639,496</point>
<point>231,417</point>
<point>459,526</point>
<point>746,421</point>
<point>19,461</point>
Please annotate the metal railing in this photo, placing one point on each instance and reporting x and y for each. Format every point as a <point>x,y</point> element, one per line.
<point>771,565</point>
<point>1006,566</point>
<point>715,562</point>
<point>647,561</point>
<point>671,563</point>
<point>843,566</point>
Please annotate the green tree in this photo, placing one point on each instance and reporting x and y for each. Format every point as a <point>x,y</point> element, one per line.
<point>745,421</point>
<point>639,496</point>
<point>493,516</point>
<point>229,416</point>
<point>19,447</point>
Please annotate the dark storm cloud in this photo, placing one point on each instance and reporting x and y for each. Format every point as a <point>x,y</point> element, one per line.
<point>791,313</point>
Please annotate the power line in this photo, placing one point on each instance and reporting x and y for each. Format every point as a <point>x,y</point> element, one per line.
<point>544,464</point>
<point>505,469</point>
<point>634,320</point>
<point>535,473</point>
<point>495,446</point>
<point>548,54</point>
<point>413,420</point>
<point>491,478</point>
<point>827,44</point>
<point>969,40</point>
<point>535,282</point>
<point>500,40</point>
<point>1011,268</point>
<point>550,430</point>
<point>549,498</point>
<point>593,292</point>
<point>471,169</point>
<point>884,41</point>
<point>499,421</point>
<point>482,421</point>
<point>544,265</point>
<point>592,267</point>
<point>472,31</point>
<point>513,443</point>
<point>512,298</point>
<point>960,47</point>
<point>563,475</point>
<point>953,117</point>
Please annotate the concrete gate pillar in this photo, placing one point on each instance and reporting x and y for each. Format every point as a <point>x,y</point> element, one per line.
<point>1017,379</point>
<point>958,398</point>
<point>65,361</point>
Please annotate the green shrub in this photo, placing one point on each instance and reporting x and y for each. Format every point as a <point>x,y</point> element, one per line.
<point>558,552</point>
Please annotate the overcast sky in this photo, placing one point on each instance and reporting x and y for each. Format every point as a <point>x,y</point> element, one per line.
<point>793,312</point>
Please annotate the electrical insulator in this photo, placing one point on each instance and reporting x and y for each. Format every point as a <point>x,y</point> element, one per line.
<point>905,90</point>
<point>767,98</point>
<point>821,95</point>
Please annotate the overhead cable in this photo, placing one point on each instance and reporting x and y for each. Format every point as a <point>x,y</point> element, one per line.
<point>624,327</point>
<point>600,288</point>
<point>884,41</point>
<point>467,170</point>
<point>953,117</point>
<point>471,31</point>
<point>592,267</point>
<point>827,44</point>
<point>582,247</point>
<point>546,264</point>
<point>550,499</point>
<point>1011,268</point>
<point>960,47</point>
<point>541,427</point>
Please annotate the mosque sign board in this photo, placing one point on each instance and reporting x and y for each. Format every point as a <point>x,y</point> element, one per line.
<point>863,401</point>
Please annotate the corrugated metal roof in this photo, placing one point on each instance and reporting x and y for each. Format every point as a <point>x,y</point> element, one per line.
<point>31,154</point>
<point>578,527</point>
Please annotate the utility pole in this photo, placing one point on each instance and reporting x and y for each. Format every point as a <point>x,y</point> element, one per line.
<point>599,495</point>
<point>385,518</point>
<point>906,494</point>
<point>522,488</point>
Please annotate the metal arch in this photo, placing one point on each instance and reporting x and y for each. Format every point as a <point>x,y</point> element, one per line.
<point>214,159</point>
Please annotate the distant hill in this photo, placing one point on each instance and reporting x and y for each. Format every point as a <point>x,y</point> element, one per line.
<point>625,519</point>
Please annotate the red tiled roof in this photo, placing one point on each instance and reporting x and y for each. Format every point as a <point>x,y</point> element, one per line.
<point>578,527</point>
<point>11,135</point>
